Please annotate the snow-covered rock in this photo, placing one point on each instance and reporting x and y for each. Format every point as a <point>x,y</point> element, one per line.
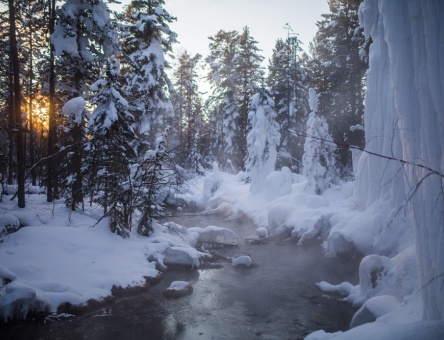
<point>178,289</point>
<point>258,235</point>
<point>18,300</point>
<point>213,235</point>
<point>242,261</point>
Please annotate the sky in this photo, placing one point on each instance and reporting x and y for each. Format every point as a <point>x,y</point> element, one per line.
<point>199,19</point>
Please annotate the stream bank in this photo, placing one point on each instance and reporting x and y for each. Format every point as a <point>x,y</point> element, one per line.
<point>275,299</point>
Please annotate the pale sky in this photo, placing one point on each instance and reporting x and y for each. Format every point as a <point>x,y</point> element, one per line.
<point>199,19</point>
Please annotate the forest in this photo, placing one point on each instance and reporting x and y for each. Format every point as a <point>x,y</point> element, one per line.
<point>87,92</point>
<point>107,136</point>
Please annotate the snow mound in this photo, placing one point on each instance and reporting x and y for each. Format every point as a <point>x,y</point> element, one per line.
<point>242,261</point>
<point>212,182</point>
<point>278,183</point>
<point>218,236</point>
<point>373,308</point>
<point>258,235</point>
<point>380,275</point>
<point>430,330</point>
<point>178,289</point>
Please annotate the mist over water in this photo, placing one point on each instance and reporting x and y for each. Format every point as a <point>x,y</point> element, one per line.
<point>276,298</point>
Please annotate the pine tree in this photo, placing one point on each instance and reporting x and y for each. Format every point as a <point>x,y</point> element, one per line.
<point>71,171</point>
<point>83,37</point>
<point>16,96</point>
<point>262,139</point>
<point>109,153</point>
<point>286,83</point>
<point>147,39</point>
<point>187,104</point>
<point>224,99</point>
<point>319,151</point>
<point>248,65</point>
<point>338,72</point>
<point>234,74</point>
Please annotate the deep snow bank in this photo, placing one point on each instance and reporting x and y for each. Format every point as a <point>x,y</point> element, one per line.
<point>404,119</point>
<point>59,257</point>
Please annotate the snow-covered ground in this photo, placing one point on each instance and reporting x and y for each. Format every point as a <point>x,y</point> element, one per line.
<point>392,214</point>
<point>61,257</point>
<point>389,289</point>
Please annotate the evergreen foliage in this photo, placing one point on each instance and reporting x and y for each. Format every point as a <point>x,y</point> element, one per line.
<point>286,82</point>
<point>147,38</point>
<point>262,139</point>
<point>109,153</point>
<point>319,151</point>
<point>234,74</point>
<point>337,71</point>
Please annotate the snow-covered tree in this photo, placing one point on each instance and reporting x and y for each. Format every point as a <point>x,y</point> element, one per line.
<point>71,172</point>
<point>147,39</point>
<point>319,151</point>
<point>188,108</point>
<point>109,153</point>
<point>338,73</point>
<point>224,81</point>
<point>285,80</point>
<point>248,65</point>
<point>262,139</point>
<point>234,72</point>
<point>83,38</point>
<point>154,181</point>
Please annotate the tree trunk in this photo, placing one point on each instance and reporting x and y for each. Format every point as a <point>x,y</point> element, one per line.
<point>31,121</point>
<point>17,108</point>
<point>51,128</point>
<point>10,179</point>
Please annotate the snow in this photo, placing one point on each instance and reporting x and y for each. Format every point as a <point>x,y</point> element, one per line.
<point>243,260</point>
<point>217,235</point>
<point>61,256</point>
<point>74,109</point>
<point>391,215</point>
<point>178,285</point>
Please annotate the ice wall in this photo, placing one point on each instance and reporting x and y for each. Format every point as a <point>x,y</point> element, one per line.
<point>404,119</point>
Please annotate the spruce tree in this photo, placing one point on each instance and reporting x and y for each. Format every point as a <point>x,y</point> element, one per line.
<point>147,38</point>
<point>262,139</point>
<point>234,75</point>
<point>83,37</point>
<point>109,153</point>
<point>188,108</point>
<point>286,82</point>
<point>319,151</point>
<point>338,72</point>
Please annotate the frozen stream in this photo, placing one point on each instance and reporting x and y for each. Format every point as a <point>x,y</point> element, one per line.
<point>275,299</point>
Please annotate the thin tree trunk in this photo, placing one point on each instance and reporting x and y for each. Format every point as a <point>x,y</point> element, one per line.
<point>10,179</point>
<point>31,109</point>
<point>17,108</point>
<point>51,128</point>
